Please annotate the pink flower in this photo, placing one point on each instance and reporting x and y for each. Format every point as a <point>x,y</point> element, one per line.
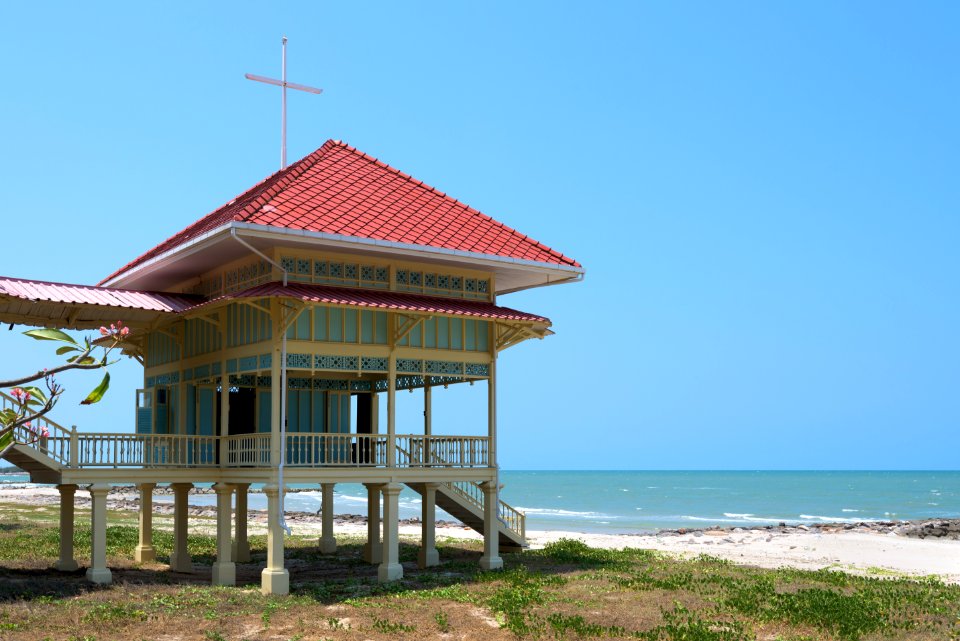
<point>104,331</point>
<point>124,331</point>
<point>44,432</point>
<point>20,395</point>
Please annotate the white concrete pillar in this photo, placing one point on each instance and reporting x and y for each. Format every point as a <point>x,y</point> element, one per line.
<point>241,546</point>
<point>180,560</point>
<point>144,552</point>
<point>390,568</point>
<point>491,528</point>
<point>428,555</point>
<point>274,579</point>
<point>98,572</point>
<point>328,542</point>
<point>67,562</point>
<point>372,548</point>
<point>224,571</point>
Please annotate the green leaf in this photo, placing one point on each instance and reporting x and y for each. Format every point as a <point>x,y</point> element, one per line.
<point>36,393</point>
<point>6,439</point>
<point>7,417</point>
<point>98,392</point>
<point>66,348</point>
<point>50,335</point>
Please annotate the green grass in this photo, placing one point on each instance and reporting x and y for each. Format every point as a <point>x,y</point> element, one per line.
<point>565,591</point>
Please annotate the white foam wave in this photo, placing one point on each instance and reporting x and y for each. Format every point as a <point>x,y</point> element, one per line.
<point>543,511</point>
<point>848,510</point>
<point>831,519</point>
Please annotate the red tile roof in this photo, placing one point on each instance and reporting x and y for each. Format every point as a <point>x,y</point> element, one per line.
<point>382,299</point>
<point>39,291</point>
<point>340,190</point>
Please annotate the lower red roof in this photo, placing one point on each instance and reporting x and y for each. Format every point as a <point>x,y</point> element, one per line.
<point>383,299</point>
<point>35,290</point>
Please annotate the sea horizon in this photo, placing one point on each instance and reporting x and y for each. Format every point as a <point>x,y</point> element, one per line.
<point>644,501</point>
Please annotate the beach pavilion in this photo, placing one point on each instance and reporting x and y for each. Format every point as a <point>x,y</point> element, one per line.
<point>270,332</point>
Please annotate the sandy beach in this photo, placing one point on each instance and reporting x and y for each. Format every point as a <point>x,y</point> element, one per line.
<point>879,549</point>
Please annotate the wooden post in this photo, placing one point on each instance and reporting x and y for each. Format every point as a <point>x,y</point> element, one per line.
<point>492,415</point>
<point>224,408</point>
<point>491,528</point>
<point>180,560</point>
<point>144,552</point>
<point>74,448</point>
<point>392,411</point>
<point>372,549</point>
<point>274,579</point>
<point>427,418</point>
<point>328,543</point>
<point>67,562</point>
<point>224,570</point>
<point>98,572</point>
<point>390,568</point>
<point>241,546</point>
<point>428,555</point>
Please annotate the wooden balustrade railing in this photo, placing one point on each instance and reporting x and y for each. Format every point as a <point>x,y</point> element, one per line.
<point>57,443</point>
<point>248,450</point>
<point>146,450</point>
<point>418,450</point>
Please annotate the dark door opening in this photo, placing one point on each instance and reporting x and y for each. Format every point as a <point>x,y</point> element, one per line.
<point>243,410</point>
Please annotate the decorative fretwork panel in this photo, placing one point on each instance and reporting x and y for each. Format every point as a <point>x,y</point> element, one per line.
<point>336,362</point>
<point>247,363</point>
<point>373,364</point>
<point>299,361</point>
<point>476,369</point>
<point>442,284</point>
<point>444,367</point>
<point>409,365</point>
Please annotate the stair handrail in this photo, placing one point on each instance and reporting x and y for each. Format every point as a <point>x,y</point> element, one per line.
<point>60,442</point>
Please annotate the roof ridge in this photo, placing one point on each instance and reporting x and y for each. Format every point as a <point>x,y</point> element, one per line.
<point>290,173</point>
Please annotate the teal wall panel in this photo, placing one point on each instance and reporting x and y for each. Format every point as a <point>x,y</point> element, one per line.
<point>470,334</point>
<point>145,419</point>
<point>430,333</point>
<point>483,336</point>
<point>205,411</point>
<point>456,333</point>
<point>319,414</point>
<point>443,333</point>
<point>320,324</point>
<point>350,325</point>
<point>366,327</point>
<point>191,392</point>
<point>380,319</point>
<point>336,325</point>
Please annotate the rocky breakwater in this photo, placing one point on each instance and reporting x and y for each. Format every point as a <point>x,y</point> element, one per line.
<point>933,528</point>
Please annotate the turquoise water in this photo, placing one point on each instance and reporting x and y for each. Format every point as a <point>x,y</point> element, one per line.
<point>625,502</point>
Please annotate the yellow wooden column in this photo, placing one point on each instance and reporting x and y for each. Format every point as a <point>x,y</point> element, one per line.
<point>427,410</point>
<point>390,568</point>
<point>144,552</point>
<point>224,570</point>
<point>180,560</point>
<point>275,579</point>
<point>328,543</point>
<point>428,555</point>
<point>372,548</point>
<point>392,411</point>
<point>492,415</point>
<point>66,562</point>
<point>241,546</point>
<point>98,572</point>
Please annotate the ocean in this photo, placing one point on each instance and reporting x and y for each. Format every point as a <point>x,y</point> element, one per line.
<point>635,502</point>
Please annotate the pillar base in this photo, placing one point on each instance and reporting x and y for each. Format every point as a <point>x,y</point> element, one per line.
<point>224,574</point>
<point>70,565</point>
<point>427,558</point>
<point>491,563</point>
<point>371,553</point>
<point>181,565</point>
<point>275,582</point>
<point>101,576</point>
<point>389,572</point>
<point>241,551</point>
<point>144,554</point>
<point>328,545</point>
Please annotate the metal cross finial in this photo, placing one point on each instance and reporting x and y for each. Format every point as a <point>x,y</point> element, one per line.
<point>283,84</point>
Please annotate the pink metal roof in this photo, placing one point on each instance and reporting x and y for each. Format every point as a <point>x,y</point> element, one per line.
<point>381,299</point>
<point>39,291</point>
<point>340,190</point>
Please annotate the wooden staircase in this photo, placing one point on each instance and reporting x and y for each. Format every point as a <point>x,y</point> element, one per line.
<point>464,500</point>
<point>40,457</point>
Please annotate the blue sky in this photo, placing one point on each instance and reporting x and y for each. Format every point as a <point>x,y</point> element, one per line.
<point>764,195</point>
